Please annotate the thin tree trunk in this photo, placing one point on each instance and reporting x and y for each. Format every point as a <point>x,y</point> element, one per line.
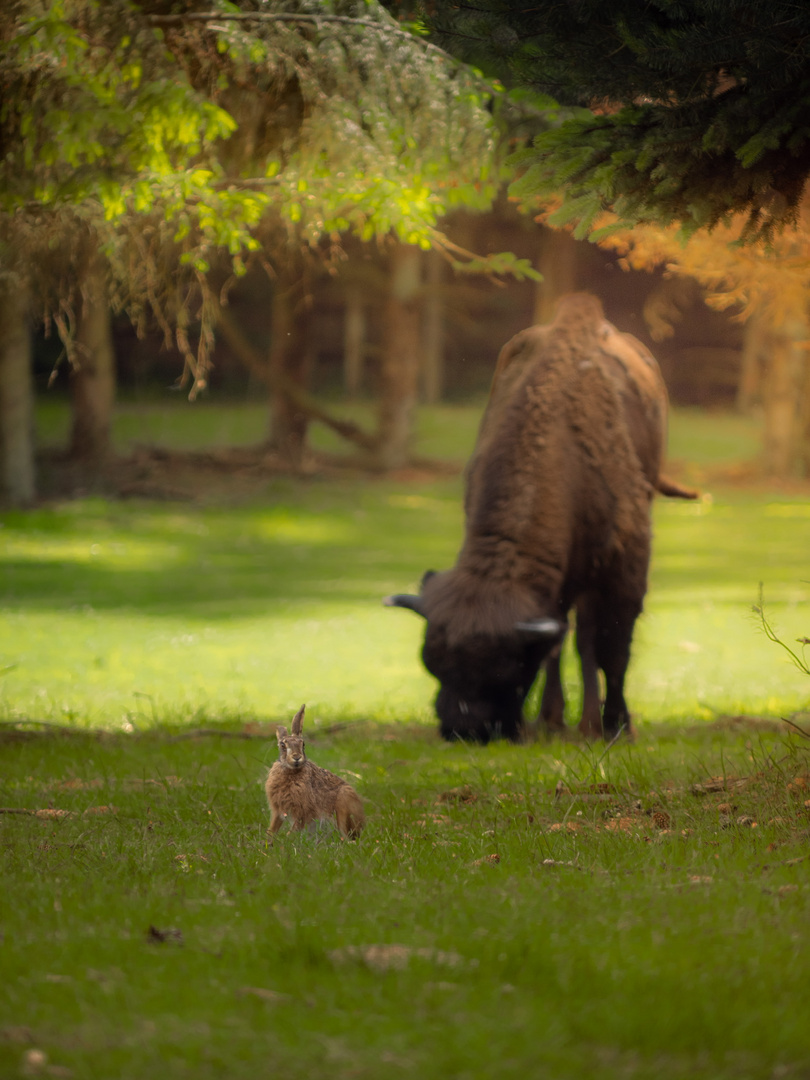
<point>804,421</point>
<point>401,358</point>
<point>92,382</point>
<point>290,361</point>
<point>258,366</point>
<point>783,392</point>
<point>755,349</point>
<point>354,341</point>
<point>433,360</point>
<point>17,475</point>
<point>557,262</point>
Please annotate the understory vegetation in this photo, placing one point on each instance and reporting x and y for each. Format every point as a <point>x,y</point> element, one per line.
<point>553,909</point>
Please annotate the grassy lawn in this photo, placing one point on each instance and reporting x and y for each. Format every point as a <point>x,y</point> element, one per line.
<point>550,911</point>
<point>482,927</point>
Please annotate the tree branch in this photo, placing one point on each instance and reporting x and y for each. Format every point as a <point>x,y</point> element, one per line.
<point>344,20</point>
<point>280,384</point>
<point>260,16</point>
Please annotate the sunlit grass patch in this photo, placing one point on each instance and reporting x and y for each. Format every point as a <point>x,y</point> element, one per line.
<point>248,609</point>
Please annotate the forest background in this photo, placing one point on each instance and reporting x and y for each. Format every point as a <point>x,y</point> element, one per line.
<point>228,251</point>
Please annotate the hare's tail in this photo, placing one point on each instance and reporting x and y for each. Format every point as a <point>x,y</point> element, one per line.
<point>349,812</point>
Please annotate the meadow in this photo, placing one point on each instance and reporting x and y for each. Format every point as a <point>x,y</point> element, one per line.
<point>549,910</point>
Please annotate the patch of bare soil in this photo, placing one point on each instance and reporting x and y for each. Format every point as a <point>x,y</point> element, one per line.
<point>229,474</point>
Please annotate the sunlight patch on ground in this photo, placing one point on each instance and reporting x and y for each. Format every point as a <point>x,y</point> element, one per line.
<point>283,528</point>
<point>129,554</point>
<point>788,510</point>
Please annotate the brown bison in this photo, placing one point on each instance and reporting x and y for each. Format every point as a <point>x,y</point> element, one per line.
<point>558,500</point>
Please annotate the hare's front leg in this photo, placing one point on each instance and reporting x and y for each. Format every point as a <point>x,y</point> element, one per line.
<point>276,821</point>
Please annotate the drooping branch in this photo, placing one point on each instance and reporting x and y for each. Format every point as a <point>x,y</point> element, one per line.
<point>524,108</point>
<point>387,27</point>
<point>261,16</point>
<point>279,383</point>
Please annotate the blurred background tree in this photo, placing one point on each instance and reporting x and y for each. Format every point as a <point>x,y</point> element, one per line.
<point>274,199</point>
<point>182,145</point>
<point>767,285</point>
<point>689,120</point>
<point>685,112</point>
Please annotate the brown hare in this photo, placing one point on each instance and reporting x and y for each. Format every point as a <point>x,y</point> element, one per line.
<point>304,793</point>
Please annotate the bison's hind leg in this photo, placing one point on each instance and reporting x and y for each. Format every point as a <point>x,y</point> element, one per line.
<point>551,720</point>
<point>590,726</point>
<point>604,634</point>
<point>612,640</point>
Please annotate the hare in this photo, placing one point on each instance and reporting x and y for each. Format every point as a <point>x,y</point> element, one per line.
<point>304,792</point>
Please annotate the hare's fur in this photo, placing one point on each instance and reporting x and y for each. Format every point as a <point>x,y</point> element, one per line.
<point>303,792</point>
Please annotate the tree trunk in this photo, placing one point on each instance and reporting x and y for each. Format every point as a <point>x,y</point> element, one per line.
<point>92,382</point>
<point>756,343</point>
<point>17,476</point>
<point>433,359</point>
<point>354,341</point>
<point>557,262</point>
<point>804,431</point>
<point>782,395</point>
<point>290,359</point>
<point>401,358</point>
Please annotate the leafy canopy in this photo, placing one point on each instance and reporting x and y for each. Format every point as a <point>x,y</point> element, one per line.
<point>770,281</point>
<point>174,139</point>
<point>327,114</point>
<point>684,110</point>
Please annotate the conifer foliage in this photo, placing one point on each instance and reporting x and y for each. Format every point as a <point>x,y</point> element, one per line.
<point>676,110</point>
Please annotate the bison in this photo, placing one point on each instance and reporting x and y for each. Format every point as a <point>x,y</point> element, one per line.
<point>558,497</point>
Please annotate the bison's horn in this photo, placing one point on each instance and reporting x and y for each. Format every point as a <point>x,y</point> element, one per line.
<point>543,628</point>
<point>406,600</point>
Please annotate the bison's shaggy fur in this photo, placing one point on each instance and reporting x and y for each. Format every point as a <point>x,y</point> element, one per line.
<point>558,517</point>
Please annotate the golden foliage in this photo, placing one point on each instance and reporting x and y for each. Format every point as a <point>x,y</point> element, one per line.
<point>772,279</point>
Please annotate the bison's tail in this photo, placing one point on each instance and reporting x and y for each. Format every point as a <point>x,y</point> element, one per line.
<point>665,486</point>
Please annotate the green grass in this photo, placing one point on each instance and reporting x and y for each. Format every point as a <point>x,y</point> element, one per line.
<point>443,431</point>
<point>480,928</point>
<point>116,613</point>
<point>700,438</point>
<point>487,925</point>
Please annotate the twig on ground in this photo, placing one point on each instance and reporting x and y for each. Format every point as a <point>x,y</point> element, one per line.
<point>194,733</point>
<point>204,733</point>
<point>280,383</point>
<point>63,729</point>
<point>800,730</point>
<point>208,733</point>
<point>609,746</point>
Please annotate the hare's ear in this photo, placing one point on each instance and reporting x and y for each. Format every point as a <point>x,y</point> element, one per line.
<point>298,721</point>
<point>281,732</point>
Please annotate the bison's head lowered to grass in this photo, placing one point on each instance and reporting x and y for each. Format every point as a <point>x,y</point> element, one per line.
<point>558,517</point>
<point>484,652</point>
